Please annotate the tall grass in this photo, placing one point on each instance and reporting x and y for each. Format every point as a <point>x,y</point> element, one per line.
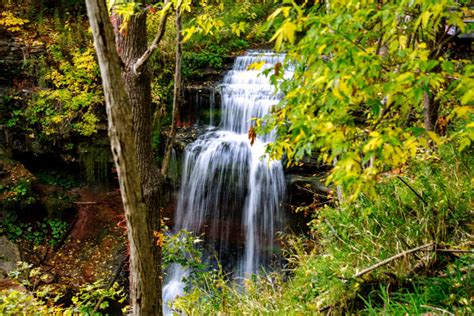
<point>433,203</point>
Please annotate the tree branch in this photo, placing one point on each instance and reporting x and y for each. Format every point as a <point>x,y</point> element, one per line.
<point>413,190</point>
<point>387,261</point>
<point>443,311</point>
<point>154,45</point>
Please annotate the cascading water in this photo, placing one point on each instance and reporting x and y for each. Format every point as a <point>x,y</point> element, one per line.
<point>229,190</point>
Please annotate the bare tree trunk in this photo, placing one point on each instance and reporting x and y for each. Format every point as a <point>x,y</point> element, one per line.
<point>129,114</point>
<point>430,112</point>
<point>176,94</point>
<point>131,46</point>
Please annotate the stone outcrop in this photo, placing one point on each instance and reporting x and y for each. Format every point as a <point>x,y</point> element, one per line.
<point>9,256</point>
<point>13,53</point>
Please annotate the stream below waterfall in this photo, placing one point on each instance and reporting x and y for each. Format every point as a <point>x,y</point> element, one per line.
<point>229,190</point>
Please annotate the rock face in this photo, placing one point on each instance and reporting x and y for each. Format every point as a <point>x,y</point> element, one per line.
<point>13,52</point>
<point>9,256</point>
<point>10,57</point>
<point>201,104</point>
<point>185,136</point>
<point>201,97</point>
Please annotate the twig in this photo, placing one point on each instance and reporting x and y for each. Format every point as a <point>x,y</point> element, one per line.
<point>177,91</point>
<point>325,308</point>
<point>437,309</point>
<point>334,231</point>
<point>413,190</point>
<point>310,191</point>
<point>387,261</point>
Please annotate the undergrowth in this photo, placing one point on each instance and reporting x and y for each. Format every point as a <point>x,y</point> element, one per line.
<point>432,205</point>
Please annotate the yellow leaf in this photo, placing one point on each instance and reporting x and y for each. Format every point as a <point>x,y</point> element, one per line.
<point>290,29</point>
<point>403,41</point>
<point>256,66</point>
<point>463,111</point>
<point>344,88</point>
<point>321,49</point>
<point>425,17</point>
<point>285,33</point>
<point>435,138</point>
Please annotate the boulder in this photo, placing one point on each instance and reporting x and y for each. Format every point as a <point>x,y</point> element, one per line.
<point>9,256</point>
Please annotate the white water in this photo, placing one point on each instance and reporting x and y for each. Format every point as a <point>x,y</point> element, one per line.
<point>229,189</point>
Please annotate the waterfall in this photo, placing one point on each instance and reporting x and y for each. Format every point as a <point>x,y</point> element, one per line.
<point>229,189</point>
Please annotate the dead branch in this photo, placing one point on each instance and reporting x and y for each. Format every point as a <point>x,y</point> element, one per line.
<point>300,187</point>
<point>413,190</point>
<point>443,311</point>
<point>387,261</point>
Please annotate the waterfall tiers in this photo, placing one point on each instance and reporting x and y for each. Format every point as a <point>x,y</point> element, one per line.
<point>229,189</point>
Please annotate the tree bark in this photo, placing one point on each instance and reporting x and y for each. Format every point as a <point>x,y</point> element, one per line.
<point>129,112</point>
<point>131,46</point>
<point>430,112</point>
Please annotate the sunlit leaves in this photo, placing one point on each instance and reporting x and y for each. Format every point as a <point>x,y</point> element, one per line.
<point>256,66</point>
<point>238,28</point>
<point>72,105</point>
<point>126,10</point>
<point>207,23</point>
<point>363,69</point>
<point>286,33</point>
<point>11,22</point>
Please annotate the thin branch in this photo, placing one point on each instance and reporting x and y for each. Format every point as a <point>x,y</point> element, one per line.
<point>156,41</point>
<point>311,191</point>
<point>385,111</point>
<point>379,44</point>
<point>362,48</point>
<point>387,261</point>
<point>413,190</point>
<point>176,93</point>
<point>438,309</point>
<point>85,203</point>
<point>440,46</point>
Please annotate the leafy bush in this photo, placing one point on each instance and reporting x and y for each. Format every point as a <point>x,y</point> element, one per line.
<point>71,107</point>
<point>48,231</point>
<point>181,248</point>
<point>20,303</point>
<point>91,299</point>
<point>18,195</point>
<point>366,76</point>
<point>58,178</point>
<point>219,31</point>
<point>96,297</point>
